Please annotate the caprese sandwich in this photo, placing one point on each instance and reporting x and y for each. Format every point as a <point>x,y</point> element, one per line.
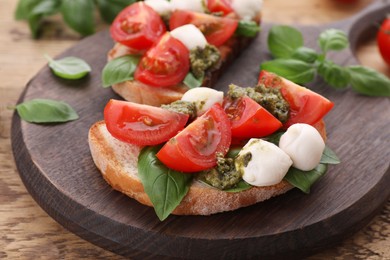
<point>209,152</point>
<point>176,45</point>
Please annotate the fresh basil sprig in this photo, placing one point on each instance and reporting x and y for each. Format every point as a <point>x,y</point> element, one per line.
<point>119,70</point>
<point>69,67</point>
<point>301,65</point>
<point>165,187</point>
<point>46,111</point>
<point>247,28</point>
<point>77,14</point>
<point>303,180</point>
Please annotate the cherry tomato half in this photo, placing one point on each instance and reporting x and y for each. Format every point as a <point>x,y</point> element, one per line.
<point>142,124</point>
<point>194,149</point>
<point>383,40</point>
<point>164,64</point>
<point>137,26</point>
<point>306,106</point>
<point>217,30</point>
<point>224,6</point>
<point>249,119</point>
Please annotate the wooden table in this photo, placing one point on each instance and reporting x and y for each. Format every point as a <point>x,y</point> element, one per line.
<point>27,232</point>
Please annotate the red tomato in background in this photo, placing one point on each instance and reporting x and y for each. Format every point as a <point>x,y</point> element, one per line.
<point>383,40</point>
<point>217,30</point>
<point>164,64</point>
<point>142,124</point>
<point>224,6</point>
<point>249,119</point>
<point>137,26</point>
<point>306,106</point>
<point>194,149</point>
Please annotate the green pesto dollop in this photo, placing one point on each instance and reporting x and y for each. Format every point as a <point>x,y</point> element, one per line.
<point>203,59</point>
<point>270,98</point>
<point>183,107</point>
<point>223,176</point>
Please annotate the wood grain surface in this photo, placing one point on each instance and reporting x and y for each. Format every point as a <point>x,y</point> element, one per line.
<point>29,233</point>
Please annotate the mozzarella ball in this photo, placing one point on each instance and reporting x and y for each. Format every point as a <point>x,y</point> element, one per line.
<point>190,36</point>
<point>162,7</point>
<point>262,163</point>
<point>304,144</point>
<point>247,9</point>
<point>190,5</point>
<point>204,98</point>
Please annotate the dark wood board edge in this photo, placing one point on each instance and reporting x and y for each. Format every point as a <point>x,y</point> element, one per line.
<point>20,151</point>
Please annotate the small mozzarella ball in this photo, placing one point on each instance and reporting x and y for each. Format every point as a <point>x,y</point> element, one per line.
<point>304,144</point>
<point>247,9</point>
<point>190,36</point>
<point>162,7</point>
<point>204,98</point>
<point>267,165</point>
<point>190,5</point>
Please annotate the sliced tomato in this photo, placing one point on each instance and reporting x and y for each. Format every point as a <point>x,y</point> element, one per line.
<point>164,64</point>
<point>224,6</point>
<point>249,119</point>
<point>142,124</point>
<point>194,149</point>
<point>137,26</point>
<point>306,106</point>
<point>217,30</point>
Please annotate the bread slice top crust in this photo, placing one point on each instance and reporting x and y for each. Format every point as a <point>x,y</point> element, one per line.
<point>117,162</point>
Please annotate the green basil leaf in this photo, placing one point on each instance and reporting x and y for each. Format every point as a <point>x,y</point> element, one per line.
<point>119,70</point>
<point>297,71</point>
<point>284,40</point>
<point>329,157</point>
<point>305,54</point>
<point>241,186</point>
<point>369,82</point>
<point>79,15</point>
<point>46,111</point>
<point>332,39</point>
<point>40,10</point>
<point>192,82</point>
<point>109,9</point>
<point>247,28</point>
<point>274,138</point>
<point>303,180</point>
<point>24,8</point>
<point>333,74</point>
<point>69,67</point>
<point>165,187</point>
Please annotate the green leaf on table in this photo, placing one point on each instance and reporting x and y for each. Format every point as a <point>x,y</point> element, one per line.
<point>24,7</point>
<point>69,67</point>
<point>332,39</point>
<point>192,82</point>
<point>79,15</point>
<point>297,71</point>
<point>305,54</point>
<point>329,157</point>
<point>119,70</point>
<point>165,187</point>
<point>247,28</point>
<point>303,180</point>
<point>368,81</point>
<point>46,111</point>
<point>109,9</point>
<point>333,74</point>
<point>284,40</point>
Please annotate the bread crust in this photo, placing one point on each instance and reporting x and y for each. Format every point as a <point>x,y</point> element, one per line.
<point>117,162</point>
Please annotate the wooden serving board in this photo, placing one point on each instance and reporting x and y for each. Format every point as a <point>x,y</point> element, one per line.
<point>55,165</point>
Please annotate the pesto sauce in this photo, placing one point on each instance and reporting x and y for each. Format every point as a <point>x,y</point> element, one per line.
<point>203,59</point>
<point>183,107</point>
<point>269,98</point>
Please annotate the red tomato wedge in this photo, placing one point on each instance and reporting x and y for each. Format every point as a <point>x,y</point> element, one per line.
<point>249,119</point>
<point>217,30</point>
<point>224,6</point>
<point>383,40</point>
<point>142,124</point>
<point>306,106</point>
<point>137,26</point>
<point>194,149</point>
<point>164,64</point>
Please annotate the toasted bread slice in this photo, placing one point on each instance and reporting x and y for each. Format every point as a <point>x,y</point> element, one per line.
<point>117,161</point>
